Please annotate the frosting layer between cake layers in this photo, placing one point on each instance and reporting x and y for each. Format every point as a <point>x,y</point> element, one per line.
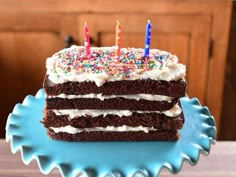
<point>124,128</point>
<point>73,113</point>
<point>102,97</point>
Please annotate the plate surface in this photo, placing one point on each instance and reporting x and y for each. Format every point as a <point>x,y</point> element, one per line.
<point>110,159</point>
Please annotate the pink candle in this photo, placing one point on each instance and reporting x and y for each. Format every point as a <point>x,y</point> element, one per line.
<point>86,40</point>
<point>118,39</point>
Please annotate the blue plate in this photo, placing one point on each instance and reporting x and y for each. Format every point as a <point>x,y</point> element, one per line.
<point>110,159</point>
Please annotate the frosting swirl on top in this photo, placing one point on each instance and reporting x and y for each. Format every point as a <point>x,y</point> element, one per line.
<point>71,64</point>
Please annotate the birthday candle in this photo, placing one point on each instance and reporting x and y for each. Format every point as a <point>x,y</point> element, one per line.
<point>118,39</point>
<point>147,39</point>
<point>86,40</point>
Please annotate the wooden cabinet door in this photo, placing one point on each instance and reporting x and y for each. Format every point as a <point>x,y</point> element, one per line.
<point>186,36</point>
<point>25,43</point>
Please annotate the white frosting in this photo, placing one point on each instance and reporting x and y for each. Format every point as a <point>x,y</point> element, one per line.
<point>124,128</point>
<point>102,97</point>
<point>71,65</point>
<point>173,112</point>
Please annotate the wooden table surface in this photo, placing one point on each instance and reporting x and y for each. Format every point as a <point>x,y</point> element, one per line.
<point>220,163</point>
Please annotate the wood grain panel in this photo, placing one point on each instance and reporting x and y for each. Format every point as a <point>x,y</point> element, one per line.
<point>121,6</point>
<point>218,60</point>
<point>198,61</point>
<point>22,66</point>
<point>29,22</point>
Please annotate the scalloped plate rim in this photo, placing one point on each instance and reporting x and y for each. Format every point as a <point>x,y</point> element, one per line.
<point>39,95</point>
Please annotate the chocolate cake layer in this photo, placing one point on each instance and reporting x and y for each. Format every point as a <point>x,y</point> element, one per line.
<point>159,121</point>
<point>114,103</point>
<point>162,135</point>
<point>169,88</point>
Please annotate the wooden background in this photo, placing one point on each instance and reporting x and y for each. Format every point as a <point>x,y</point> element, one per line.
<point>30,31</point>
<point>228,130</point>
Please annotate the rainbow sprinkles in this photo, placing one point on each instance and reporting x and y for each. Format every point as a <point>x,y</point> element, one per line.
<point>72,64</point>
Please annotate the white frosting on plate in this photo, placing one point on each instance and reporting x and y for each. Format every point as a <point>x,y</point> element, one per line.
<point>71,64</point>
<point>124,128</point>
<point>174,112</point>
<point>149,97</point>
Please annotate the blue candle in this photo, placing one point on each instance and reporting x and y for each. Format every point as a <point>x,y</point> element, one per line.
<point>147,39</point>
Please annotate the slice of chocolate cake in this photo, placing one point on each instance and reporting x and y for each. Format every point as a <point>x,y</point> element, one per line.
<point>106,98</point>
